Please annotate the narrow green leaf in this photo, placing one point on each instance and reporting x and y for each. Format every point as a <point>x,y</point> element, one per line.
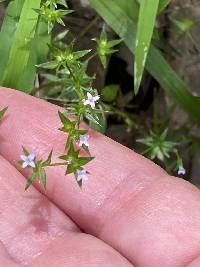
<point>67,124</point>
<point>84,160</point>
<point>124,25</point>
<point>22,43</point>
<point>70,169</point>
<point>48,161</point>
<point>42,177</point>
<point>30,180</point>
<point>7,32</point>
<point>38,46</point>
<point>147,17</point>
<point>48,65</point>
<point>80,54</point>
<point>183,26</point>
<point>63,157</point>
<point>102,125</point>
<point>62,2</point>
<point>93,118</point>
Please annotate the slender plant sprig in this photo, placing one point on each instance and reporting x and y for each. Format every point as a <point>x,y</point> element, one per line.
<point>71,159</point>
<point>159,147</point>
<point>71,71</point>
<point>105,47</point>
<point>28,160</point>
<point>67,68</point>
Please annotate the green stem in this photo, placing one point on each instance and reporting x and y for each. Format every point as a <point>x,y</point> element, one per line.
<point>155,113</point>
<point>57,164</point>
<point>59,100</point>
<point>86,29</point>
<point>196,45</point>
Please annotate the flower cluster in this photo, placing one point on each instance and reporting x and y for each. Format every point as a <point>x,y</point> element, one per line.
<point>71,159</point>
<point>105,47</point>
<point>158,147</point>
<point>50,13</point>
<point>28,160</point>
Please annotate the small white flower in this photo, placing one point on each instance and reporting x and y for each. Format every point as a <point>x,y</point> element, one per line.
<point>84,140</point>
<point>181,170</point>
<point>81,175</point>
<point>91,100</point>
<point>28,161</point>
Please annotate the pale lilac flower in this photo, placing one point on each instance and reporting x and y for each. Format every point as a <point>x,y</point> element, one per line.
<point>181,170</point>
<point>81,175</point>
<point>28,161</point>
<point>91,100</point>
<point>84,140</point>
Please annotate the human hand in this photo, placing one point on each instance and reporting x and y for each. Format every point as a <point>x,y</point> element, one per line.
<point>129,212</point>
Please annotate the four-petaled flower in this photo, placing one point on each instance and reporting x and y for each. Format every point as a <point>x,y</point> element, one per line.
<point>91,100</point>
<point>28,161</point>
<point>181,170</point>
<point>81,175</point>
<point>84,140</point>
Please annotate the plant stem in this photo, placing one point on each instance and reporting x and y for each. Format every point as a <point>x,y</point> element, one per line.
<point>57,164</point>
<point>86,29</point>
<point>59,99</point>
<point>196,45</point>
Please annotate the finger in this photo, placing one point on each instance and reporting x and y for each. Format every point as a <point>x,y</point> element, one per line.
<point>5,258</point>
<point>78,250</point>
<point>28,221</point>
<point>195,263</point>
<point>34,124</point>
<point>129,202</point>
<point>32,229</point>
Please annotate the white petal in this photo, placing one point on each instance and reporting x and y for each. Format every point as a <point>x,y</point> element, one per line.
<point>87,137</point>
<point>24,165</point>
<point>92,105</point>
<point>86,102</point>
<point>78,178</point>
<point>32,164</point>
<point>89,95</point>
<point>31,157</point>
<point>181,171</point>
<point>82,138</point>
<point>23,157</point>
<point>96,98</point>
<point>83,172</point>
<point>87,144</point>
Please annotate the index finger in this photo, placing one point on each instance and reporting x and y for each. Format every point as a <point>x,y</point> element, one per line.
<point>129,202</point>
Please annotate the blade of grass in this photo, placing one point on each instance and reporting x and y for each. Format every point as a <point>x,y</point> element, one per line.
<point>118,19</point>
<point>21,46</point>
<point>146,22</point>
<point>7,32</point>
<point>130,7</point>
<point>38,54</point>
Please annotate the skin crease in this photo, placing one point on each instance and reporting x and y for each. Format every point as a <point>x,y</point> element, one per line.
<point>131,204</point>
